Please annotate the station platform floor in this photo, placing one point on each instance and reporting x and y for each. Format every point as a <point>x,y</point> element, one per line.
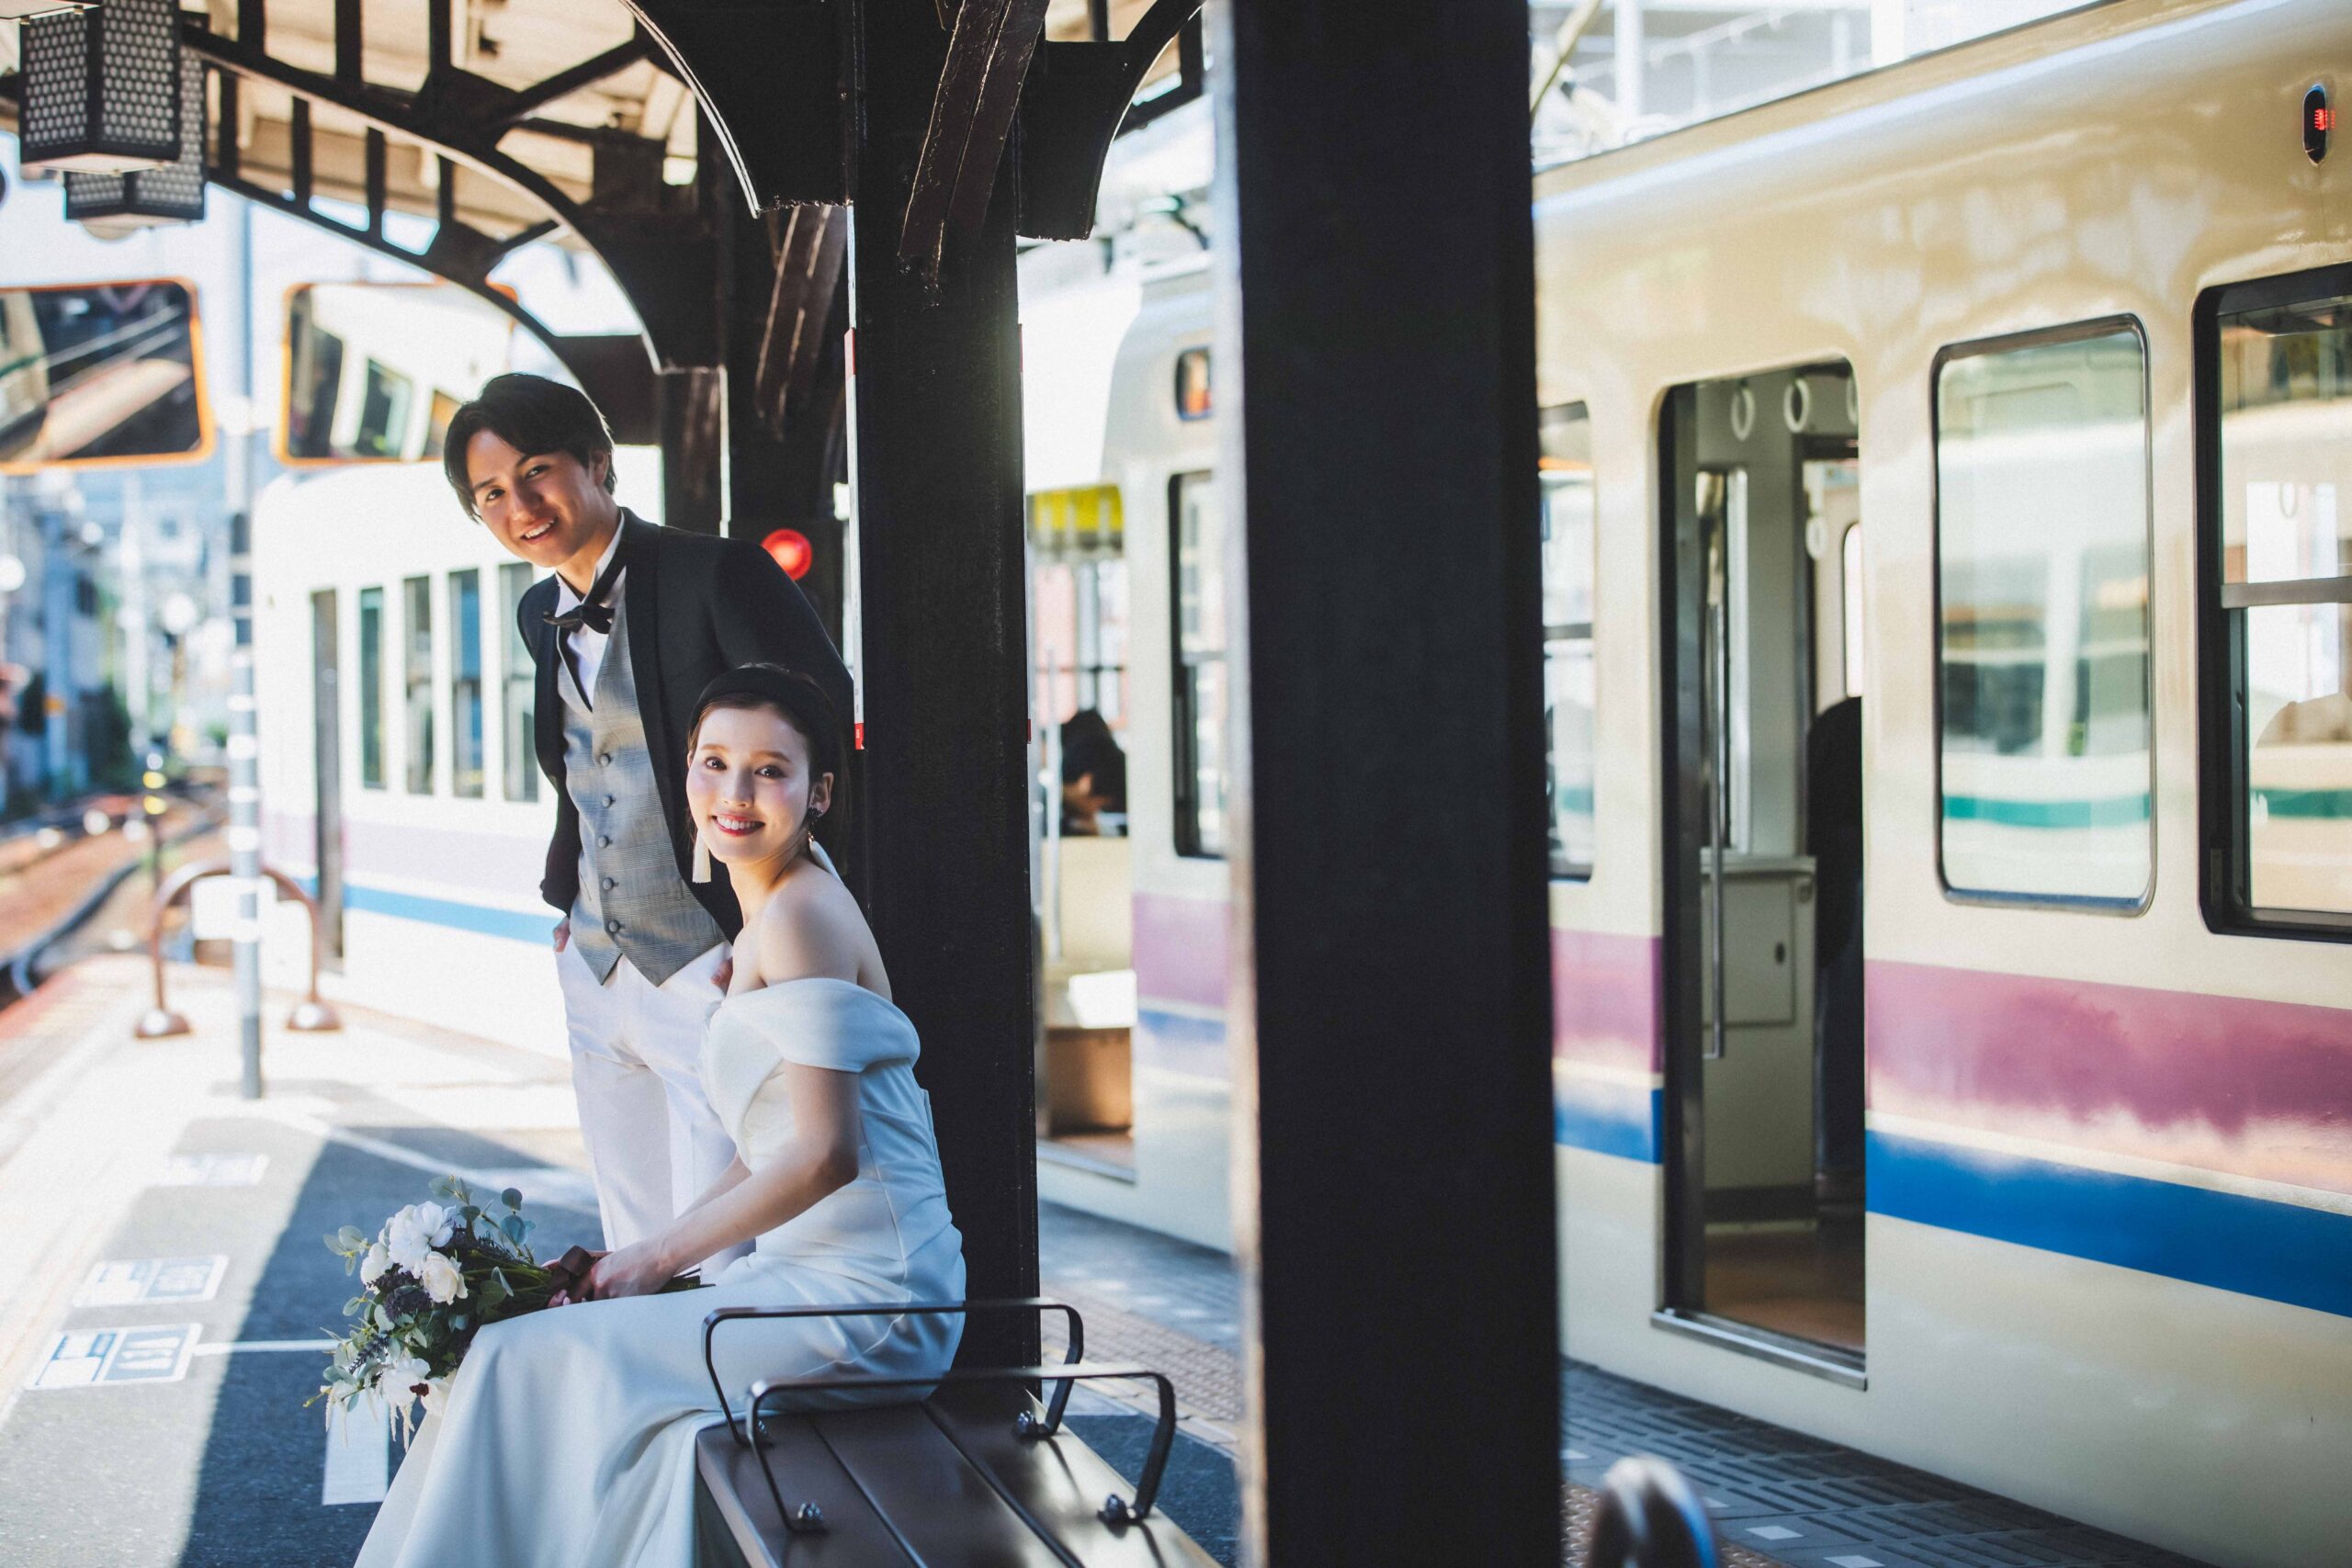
<point>168,1291</point>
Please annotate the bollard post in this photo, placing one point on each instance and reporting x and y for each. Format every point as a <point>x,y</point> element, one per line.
<point>311,1015</point>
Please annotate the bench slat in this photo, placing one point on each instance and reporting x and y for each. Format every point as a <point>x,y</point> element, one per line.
<point>944,1508</point>
<point>737,1519</point>
<point>1059,1481</point>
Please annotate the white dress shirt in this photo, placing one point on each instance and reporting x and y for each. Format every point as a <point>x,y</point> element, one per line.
<point>584,646</point>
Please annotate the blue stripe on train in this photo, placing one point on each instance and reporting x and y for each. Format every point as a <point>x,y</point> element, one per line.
<point>2280,1252</point>
<point>480,918</point>
<point>1606,1118</point>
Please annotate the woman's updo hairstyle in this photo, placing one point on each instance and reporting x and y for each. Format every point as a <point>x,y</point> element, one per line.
<point>790,695</point>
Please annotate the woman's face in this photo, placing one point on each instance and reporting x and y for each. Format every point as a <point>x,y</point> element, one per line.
<point>749,785</point>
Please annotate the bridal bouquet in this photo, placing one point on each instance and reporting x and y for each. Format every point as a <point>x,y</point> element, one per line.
<point>429,1280</point>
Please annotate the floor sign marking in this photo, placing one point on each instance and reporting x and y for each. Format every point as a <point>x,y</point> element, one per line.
<point>86,1357</point>
<point>130,1282</point>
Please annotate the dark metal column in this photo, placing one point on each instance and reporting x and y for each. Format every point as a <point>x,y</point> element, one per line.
<point>1391,1009</point>
<point>935,397</point>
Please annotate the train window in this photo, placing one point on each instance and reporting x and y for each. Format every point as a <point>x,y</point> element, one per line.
<point>371,687</point>
<point>2042,561</point>
<point>416,622</point>
<point>519,690</point>
<point>1569,684</point>
<point>465,683</point>
<point>1197,536</point>
<point>2278,458</point>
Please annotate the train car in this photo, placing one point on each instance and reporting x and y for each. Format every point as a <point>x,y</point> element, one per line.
<point>394,701</point>
<point>1146,453</point>
<point>2040,939</point>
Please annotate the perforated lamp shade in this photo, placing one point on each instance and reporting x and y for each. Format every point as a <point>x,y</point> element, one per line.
<point>101,88</point>
<point>109,204</point>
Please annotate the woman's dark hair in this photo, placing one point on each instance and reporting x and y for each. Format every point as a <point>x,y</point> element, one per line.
<point>531,414</point>
<point>791,696</point>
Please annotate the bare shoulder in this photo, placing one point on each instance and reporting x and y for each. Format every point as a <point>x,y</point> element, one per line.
<point>812,928</point>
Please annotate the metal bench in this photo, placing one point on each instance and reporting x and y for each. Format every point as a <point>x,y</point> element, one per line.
<point>977,1472</point>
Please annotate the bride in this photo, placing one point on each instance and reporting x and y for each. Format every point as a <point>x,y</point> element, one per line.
<point>566,1437</point>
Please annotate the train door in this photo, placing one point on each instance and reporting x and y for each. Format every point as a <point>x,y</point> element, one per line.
<point>1081,867</point>
<point>1762,873</point>
<point>326,722</point>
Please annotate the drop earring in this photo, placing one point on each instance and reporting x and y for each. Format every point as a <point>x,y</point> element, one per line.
<point>701,857</point>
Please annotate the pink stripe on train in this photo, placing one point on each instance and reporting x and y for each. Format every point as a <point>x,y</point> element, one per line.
<point>1179,950</point>
<point>1606,1000</point>
<point>2251,1087</point>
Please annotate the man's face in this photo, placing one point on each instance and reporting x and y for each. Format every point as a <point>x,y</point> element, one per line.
<point>548,508</point>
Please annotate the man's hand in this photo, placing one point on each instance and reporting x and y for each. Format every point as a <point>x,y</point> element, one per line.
<point>632,1271</point>
<point>563,933</point>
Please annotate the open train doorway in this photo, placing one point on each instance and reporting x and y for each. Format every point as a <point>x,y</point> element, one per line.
<point>1763,871</point>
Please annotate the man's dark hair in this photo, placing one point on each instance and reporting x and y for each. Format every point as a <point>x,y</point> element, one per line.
<point>531,414</point>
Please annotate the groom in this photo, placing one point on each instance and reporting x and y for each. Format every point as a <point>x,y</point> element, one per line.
<point>635,621</point>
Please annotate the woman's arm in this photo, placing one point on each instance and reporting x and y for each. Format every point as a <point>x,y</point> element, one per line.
<point>726,1181</point>
<point>822,1158</point>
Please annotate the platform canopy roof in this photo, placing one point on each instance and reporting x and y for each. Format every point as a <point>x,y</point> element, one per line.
<point>589,78</point>
<point>504,122</point>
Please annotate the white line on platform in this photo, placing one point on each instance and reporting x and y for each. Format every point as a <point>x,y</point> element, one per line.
<point>359,1455</point>
<point>229,1346</point>
<point>543,1186</point>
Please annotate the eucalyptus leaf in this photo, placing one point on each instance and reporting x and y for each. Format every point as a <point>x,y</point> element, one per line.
<point>511,1198</point>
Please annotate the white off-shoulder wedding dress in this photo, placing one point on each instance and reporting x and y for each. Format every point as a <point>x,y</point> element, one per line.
<point>566,1437</point>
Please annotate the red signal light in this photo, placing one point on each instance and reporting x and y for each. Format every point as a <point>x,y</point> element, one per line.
<point>790,548</point>
<point>2319,119</point>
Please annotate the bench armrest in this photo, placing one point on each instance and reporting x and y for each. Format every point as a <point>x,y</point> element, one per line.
<point>710,1326</point>
<point>1117,1511</point>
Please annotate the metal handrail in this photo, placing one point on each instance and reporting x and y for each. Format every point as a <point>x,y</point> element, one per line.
<point>311,1015</point>
<point>806,1519</point>
<point>1650,1515</point>
<point>749,1430</point>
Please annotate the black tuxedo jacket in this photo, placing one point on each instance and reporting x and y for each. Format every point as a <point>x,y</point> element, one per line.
<point>694,604</point>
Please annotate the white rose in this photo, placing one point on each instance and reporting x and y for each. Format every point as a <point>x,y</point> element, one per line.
<point>375,1263</point>
<point>415,1231</point>
<point>440,1278</point>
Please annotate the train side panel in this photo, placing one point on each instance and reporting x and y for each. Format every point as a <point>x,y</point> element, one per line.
<point>2110,1150</point>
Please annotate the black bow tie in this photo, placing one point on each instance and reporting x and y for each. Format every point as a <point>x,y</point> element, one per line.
<point>593,612</point>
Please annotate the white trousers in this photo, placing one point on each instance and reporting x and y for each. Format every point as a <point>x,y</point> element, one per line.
<point>654,1143</point>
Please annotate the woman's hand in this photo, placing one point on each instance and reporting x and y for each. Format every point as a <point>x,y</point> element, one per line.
<point>638,1270</point>
<point>571,1271</point>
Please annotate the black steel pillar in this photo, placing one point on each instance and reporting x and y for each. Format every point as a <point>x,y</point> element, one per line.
<point>689,414</point>
<point>781,462</point>
<point>935,400</point>
<point>1391,1009</point>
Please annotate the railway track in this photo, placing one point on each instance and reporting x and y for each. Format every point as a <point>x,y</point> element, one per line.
<point>55,874</point>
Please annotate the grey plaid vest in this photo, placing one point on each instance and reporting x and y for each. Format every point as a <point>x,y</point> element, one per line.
<point>630,902</point>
